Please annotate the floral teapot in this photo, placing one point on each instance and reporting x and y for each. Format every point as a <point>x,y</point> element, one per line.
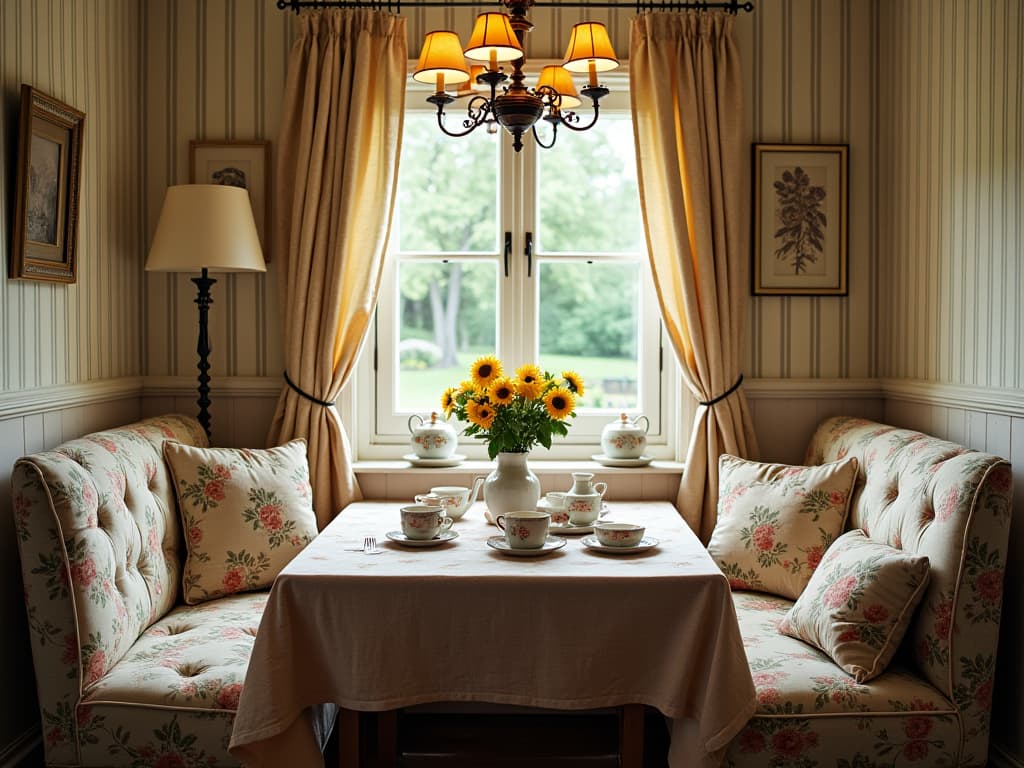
<point>434,439</point>
<point>625,439</point>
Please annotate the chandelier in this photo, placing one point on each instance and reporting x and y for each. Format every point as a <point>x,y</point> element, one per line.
<point>498,39</point>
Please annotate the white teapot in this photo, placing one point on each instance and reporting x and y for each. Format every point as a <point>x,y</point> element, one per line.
<point>434,439</point>
<point>625,439</point>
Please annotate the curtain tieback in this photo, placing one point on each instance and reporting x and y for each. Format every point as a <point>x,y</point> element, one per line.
<point>725,394</point>
<point>317,400</point>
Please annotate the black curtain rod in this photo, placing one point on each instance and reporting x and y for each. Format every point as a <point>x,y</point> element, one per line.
<point>297,5</point>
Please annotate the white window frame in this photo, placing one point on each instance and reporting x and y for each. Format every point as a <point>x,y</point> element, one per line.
<point>379,433</point>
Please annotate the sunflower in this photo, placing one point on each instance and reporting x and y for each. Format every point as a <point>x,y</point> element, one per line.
<point>529,390</point>
<point>529,374</point>
<point>466,387</point>
<point>485,370</point>
<point>502,391</point>
<point>559,402</point>
<point>480,414</point>
<point>575,382</point>
<point>448,400</point>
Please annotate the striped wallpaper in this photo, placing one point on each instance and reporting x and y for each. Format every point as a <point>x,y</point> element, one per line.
<point>87,55</point>
<point>951,190</point>
<point>808,73</point>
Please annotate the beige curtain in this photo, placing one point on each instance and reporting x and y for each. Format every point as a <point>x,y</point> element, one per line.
<point>686,89</point>
<point>337,166</point>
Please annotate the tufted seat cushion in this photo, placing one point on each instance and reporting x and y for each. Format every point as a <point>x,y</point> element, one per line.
<point>806,704</point>
<point>194,657</point>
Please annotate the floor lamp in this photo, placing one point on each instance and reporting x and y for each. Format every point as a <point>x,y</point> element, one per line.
<point>205,228</point>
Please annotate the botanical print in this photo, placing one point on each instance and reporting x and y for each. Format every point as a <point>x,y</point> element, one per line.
<point>761,536</point>
<point>267,513</point>
<point>801,221</point>
<point>208,489</point>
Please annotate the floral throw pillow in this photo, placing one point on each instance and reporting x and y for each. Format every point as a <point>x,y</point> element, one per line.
<point>859,603</point>
<point>776,521</point>
<point>245,514</point>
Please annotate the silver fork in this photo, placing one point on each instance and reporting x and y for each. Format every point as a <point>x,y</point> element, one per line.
<point>370,546</point>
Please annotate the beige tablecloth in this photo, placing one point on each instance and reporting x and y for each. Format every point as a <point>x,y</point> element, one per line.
<point>460,622</point>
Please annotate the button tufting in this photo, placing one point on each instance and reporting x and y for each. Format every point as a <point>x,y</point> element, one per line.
<point>190,670</point>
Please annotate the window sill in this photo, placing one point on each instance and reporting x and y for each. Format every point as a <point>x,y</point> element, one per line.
<point>377,466</point>
<point>396,480</point>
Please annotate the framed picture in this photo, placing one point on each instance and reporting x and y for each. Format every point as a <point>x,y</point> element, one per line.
<point>45,232</point>
<point>244,164</point>
<point>800,206</point>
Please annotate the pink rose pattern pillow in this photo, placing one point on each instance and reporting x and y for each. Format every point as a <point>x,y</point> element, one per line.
<point>775,521</point>
<point>245,514</point>
<point>859,603</point>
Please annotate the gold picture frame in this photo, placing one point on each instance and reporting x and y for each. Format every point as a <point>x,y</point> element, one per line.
<point>800,220</point>
<point>244,164</point>
<point>44,245</point>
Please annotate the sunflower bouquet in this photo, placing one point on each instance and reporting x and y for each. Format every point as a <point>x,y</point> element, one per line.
<point>513,413</point>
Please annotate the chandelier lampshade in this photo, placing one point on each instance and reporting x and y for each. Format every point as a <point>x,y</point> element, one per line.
<point>558,77</point>
<point>441,61</point>
<point>590,50</point>
<point>493,40</point>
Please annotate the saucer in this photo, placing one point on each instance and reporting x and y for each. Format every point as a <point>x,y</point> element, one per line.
<point>400,538</point>
<point>570,529</point>
<point>608,461</point>
<point>646,543</point>
<point>452,461</point>
<point>550,545</point>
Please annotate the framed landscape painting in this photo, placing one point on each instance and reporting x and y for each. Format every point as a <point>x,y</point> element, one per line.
<point>45,233</point>
<point>244,164</point>
<point>800,219</point>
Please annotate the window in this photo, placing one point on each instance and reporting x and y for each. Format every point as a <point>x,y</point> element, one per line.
<point>537,256</point>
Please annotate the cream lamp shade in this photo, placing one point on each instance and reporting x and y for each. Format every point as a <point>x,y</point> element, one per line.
<point>493,40</point>
<point>441,60</point>
<point>558,77</point>
<point>206,226</point>
<point>590,50</point>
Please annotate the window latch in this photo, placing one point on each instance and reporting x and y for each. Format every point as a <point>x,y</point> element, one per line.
<point>528,250</point>
<point>508,250</point>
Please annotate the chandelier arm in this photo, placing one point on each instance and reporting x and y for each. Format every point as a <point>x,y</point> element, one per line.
<point>570,118</point>
<point>477,111</point>
<point>554,135</point>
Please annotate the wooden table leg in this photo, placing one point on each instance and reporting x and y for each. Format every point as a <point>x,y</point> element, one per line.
<point>348,738</point>
<point>631,736</point>
<point>387,738</point>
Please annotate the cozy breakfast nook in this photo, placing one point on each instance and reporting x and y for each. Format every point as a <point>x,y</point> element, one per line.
<point>683,441</point>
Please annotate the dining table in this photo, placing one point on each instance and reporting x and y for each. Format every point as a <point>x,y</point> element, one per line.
<point>575,628</point>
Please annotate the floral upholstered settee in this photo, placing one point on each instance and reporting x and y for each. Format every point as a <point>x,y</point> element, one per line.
<point>127,675</point>
<point>930,707</point>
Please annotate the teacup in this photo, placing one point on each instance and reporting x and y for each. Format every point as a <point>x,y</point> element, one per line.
<point>447,503</point>
<point>619,534</point>
<point>554,504</point>
<point>583,509</point>
<point>455,498</point>
<point>422,522</point>
<point>527,529</point>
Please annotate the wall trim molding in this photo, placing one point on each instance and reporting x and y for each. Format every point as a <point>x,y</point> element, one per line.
<point>788,389</point>
<point>231,386</point>
<point>28,402</point>
<point>1000,758</point>
<point>1009,402</point>
<point>14,752</point>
